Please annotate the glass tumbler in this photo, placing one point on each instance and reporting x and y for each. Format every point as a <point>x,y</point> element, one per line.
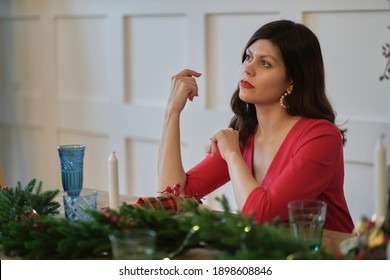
<point>137,244</point>
<point>72,164</point>
<point>75,206</point>
<point>307,218</point>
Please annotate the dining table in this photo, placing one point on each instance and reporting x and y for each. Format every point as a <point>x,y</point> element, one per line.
<point>331,240</point>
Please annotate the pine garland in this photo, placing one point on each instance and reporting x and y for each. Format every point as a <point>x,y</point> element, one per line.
<point>30,198</point>
<point>40,234</point>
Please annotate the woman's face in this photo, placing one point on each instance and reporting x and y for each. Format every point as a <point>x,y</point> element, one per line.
<point>263,75</point>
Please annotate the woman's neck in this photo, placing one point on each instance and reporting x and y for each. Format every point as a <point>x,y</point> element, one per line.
<point>274,121</point>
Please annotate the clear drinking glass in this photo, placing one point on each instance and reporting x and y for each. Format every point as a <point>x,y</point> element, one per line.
<point>75,206</point>
<point>307,218</point>
<point>137,244</point>
<point>72,163</point>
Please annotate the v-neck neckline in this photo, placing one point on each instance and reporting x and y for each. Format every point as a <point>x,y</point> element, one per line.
<point>277,154</point>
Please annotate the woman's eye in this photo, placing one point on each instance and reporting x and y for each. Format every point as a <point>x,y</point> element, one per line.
<point>248,57</point>
<point>265,63</point>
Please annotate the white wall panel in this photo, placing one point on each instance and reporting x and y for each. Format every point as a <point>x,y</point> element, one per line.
<point>82,57</point>
<point>352,48</point>
<point>20,50</point>
<point>155,49</point>
<point>142,166</point>
<point>359,190</point>
<point>23,154</point>
<point>362,136</point>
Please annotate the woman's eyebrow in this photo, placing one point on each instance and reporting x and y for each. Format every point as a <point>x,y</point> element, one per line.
<point>248,51</point>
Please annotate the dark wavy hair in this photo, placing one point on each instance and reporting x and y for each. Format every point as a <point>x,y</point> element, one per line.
<point>302,57</point>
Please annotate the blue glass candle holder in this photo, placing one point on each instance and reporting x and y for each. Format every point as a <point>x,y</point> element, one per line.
<point>72,164</point>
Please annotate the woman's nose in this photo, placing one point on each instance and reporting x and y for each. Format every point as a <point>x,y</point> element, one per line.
<point>247,68</point>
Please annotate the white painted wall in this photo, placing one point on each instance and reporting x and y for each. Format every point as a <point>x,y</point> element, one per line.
<point>98,72</point>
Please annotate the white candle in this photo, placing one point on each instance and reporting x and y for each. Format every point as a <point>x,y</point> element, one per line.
<point>380,167</point>
<point>113,185</point>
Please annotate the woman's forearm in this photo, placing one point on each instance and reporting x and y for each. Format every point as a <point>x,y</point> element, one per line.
<point>242,180</point>
<point>170,166</point>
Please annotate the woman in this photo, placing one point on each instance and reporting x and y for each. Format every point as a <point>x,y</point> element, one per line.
<point>282,143</point>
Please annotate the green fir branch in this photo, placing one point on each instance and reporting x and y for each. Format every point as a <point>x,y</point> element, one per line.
<point>40,235</point>
<point>16,201</point>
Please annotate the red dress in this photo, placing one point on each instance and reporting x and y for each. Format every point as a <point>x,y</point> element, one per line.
<point>308,165</point>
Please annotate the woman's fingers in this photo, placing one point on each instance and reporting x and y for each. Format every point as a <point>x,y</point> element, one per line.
<point>188,72</point>
<point>183,87</point>
<point>213,148</point>
<point>224,141</point>
<point>187,83</point>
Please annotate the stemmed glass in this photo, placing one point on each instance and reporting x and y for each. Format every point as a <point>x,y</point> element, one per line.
<point>72,163</point>
<point>76,200</point>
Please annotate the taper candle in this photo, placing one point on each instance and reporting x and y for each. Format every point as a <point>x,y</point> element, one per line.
<point>380,167</point>
<point>113,182</point>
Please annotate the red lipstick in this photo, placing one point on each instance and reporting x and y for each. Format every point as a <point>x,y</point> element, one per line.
<point>245,84</point>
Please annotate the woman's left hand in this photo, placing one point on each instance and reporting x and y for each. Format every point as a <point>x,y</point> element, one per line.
<point>226,141</point>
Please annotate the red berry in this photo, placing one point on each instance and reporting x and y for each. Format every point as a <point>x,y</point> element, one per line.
<point>176,187</point>
<point>176,192</point>
<point>114,219</point>
<point>168,189</point>
<point>30,213</point>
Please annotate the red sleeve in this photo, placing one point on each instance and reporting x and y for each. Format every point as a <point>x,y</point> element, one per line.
<point>302,169</point>
<point>206,176</point>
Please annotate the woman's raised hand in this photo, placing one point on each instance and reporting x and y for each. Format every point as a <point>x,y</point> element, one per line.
<point>183,87</point>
